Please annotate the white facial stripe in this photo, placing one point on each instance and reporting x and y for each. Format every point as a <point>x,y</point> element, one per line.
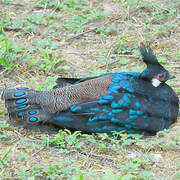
<point>155,82</point>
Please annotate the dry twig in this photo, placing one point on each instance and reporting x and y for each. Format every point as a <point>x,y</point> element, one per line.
<point>90,30</point>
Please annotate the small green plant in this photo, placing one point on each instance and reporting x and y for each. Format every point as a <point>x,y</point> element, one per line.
<point>64,5</point>
<point>90,138</point>
<point>5,2</point>
<point>4,126</point>
<point>122,48</point>
<point>47,84</point>
<point>110,175</point>
<point>38,19</point>
<point>134,169</point>
<point>76,23</point>
<point>4,156</point>
<point>82,176</point>
<point>52,171</point>
<point>65,140</point>
<point>174,143</point>
<point>177,55</point>
<point>72,140</point>
<point>9,52</point>
<point>73,5</point>
<point>96,14</point>
<point>21,156</point>
<point>5,135</point>
<point>8,24</point>
<point>178,175</point>
<point>50,60</point>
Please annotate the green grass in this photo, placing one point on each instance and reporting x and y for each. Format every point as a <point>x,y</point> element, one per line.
<point>66,143</point>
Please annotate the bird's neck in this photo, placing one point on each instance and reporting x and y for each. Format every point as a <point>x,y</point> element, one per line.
<point>146,75</point>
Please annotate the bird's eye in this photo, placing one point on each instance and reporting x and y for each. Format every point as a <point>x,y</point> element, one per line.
<point>161,75</point>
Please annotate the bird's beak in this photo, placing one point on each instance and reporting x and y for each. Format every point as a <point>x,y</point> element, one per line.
<point>171,76</point>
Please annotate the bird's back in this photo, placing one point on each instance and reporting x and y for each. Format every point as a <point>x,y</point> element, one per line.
<point>131,104</point>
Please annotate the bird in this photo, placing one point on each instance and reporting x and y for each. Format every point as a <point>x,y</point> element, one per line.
<point>128,102</point>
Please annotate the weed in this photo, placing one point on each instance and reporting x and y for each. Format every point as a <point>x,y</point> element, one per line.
<point>64,5</point>
<point>177,56</point>
<point>47,84</point>
<point>38,19</point>
<point>9,52</point>
<point>66,140</point>
<point>133,169</point>
<point>4,126</point>
<point>95,14</point>
<point>90,138</point>
<point>21,156</point>
<point>76,23</point>
<point>5,2</point>
<point>178,175</point>
<point>5,135</point>
<point>52,171</point>
<point>4,156</point>
<point>49,61</point>
<point>110,175</point>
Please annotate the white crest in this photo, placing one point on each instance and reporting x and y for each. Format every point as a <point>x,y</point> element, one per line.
<point>155,82</point>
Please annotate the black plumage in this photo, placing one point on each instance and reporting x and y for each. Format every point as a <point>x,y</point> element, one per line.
<point>126,101</point>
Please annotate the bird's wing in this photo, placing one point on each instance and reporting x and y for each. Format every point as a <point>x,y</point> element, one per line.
<point>61,82</point>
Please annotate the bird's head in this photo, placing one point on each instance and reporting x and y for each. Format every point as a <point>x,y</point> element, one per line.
<point>155,73</point>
